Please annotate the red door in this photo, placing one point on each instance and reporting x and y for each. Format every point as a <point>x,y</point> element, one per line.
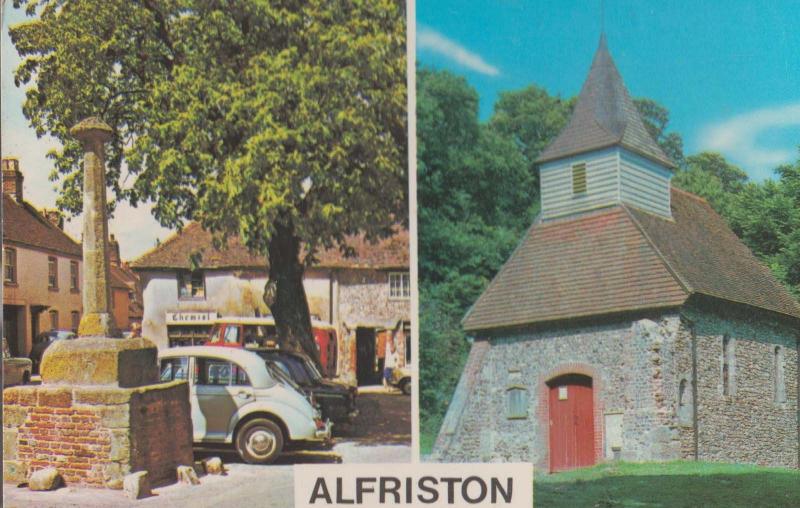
<point>571,422</point>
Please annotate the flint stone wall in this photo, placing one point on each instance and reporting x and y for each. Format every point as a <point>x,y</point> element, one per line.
<point>748,425</point>
<point>95,435</point>
<point>637,367</point>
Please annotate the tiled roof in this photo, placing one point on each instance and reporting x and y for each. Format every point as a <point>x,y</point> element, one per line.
<point>621,259</point>
<point>604,116</point>
<point>703,251</point>
<point>23,224</point>
<point>174,253</point>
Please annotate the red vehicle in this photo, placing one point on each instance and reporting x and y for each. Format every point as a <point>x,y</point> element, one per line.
<point>256,332</point>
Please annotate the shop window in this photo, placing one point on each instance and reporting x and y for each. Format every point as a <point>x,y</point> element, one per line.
<point>191,285</point>
<point>516,402</point>
<point>54,320</point>
<point>73,276</point>
<point>52,272</point>
<point>780,378</point>
<point>399,285</point>
<point>10,265</point>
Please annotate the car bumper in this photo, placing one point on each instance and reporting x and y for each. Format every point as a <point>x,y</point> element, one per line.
<point>324,434</point>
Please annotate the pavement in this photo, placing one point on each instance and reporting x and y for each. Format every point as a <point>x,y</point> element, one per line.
<point>381,434</point>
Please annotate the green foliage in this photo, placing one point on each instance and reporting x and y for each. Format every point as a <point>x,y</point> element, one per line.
<point>656,118</point>
<point>679,484</point>
<point>225,112</point>
<point>766,216</point>
<point>478,191</point>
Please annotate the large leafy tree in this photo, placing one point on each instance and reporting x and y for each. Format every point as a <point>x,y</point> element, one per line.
<point>656,119</point>
<point>280,121</point>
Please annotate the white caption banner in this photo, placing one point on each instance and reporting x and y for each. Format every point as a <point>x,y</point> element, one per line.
<point>413,485</point>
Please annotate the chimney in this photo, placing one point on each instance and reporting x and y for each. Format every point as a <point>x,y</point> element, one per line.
<point>55,218</point>
<point>113,251</point>
<point>12,178</point>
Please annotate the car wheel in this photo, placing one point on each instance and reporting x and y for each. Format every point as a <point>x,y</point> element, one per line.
<point>259,441</point>
<point>406,387</point>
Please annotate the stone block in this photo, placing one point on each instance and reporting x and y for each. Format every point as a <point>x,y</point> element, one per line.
<point>213,465</point>
<point>15,471</point>
<point>101,395</point>
<point>55,396</point>
<point>114,474</point>
<point>136,485</point>
<point>101,361</point>
<point>13,416</point>
<point>10,444</point>
<point>187,475</point>
<point>120,446</point>
<point>45,479</point>
<point>114,417</point>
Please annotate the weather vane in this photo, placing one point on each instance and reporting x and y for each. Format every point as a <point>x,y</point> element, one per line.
<point>602,16</point>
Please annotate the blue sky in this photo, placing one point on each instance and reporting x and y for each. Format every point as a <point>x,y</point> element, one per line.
<point>728,71</point>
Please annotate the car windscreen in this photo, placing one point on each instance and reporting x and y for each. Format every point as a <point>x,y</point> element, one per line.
<point>277,371</point>
<point>296,368</point>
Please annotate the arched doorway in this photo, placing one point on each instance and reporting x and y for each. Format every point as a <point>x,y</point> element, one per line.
<point>571,409</point>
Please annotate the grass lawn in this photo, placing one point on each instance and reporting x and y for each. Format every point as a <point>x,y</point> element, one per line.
<point>671,484</point>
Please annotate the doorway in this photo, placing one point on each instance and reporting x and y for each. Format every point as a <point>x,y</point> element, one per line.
<point>367,372</point>
<point>571,405</point>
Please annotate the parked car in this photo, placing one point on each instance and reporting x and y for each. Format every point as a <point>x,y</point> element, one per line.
<point>16,371</point>
<point>43,341</point>
<point>336,401</point>
<point>401,378</point>
<point>256,332</point>
<point>236,400</point>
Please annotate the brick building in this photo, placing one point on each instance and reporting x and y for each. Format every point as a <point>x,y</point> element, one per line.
<point>362,295</point>
<point>41,268</point>
<point>630,322</point>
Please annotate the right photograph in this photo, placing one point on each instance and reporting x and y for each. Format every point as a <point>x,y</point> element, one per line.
<point>609,247</point>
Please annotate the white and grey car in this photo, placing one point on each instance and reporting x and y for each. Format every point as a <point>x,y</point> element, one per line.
<point>236,399</point>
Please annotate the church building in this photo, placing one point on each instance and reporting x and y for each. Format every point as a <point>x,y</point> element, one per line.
<point>630,322</point>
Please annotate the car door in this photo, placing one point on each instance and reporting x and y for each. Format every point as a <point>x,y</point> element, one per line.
<point>220,388</point>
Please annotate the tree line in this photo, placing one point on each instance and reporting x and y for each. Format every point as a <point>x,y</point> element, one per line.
<point>478,191</point>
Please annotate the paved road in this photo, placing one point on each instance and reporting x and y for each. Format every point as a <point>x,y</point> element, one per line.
<point>382,434</point>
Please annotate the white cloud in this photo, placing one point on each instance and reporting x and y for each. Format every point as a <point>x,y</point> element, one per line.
<point>737,137</point>
<point>438,43</point>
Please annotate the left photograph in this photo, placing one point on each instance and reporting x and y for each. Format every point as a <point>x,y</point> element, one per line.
<point>206,249</point>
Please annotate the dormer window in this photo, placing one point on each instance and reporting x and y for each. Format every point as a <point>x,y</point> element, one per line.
<point>579,179</point>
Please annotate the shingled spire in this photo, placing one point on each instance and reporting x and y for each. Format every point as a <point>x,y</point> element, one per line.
<point>604,116</point>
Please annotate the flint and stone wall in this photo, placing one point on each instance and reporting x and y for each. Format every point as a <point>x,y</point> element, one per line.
<point>96,435</point>
<point>637,368</point>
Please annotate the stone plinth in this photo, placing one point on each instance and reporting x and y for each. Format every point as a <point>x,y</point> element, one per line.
<point>101,361</point>
<point>95,436</point>
<point>101,414</point>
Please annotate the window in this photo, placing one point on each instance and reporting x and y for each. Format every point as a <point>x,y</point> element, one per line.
<point>219,373</point>
<point>728,357</point>
<point>684,402</point>
<point>517,402</point>
<point>54,320</point>
<point>191,285</point>
<point>780,379</point>
<point>174,368</point>
<point>231,335</point>
<point>73,276</point>
<point>76,320</point>
<point>399,285</point>
<point>10,265</point>
<point>52,273</point>
<point>579,178</point>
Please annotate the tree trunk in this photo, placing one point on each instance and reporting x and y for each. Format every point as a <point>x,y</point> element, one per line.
<point>290,306</point>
